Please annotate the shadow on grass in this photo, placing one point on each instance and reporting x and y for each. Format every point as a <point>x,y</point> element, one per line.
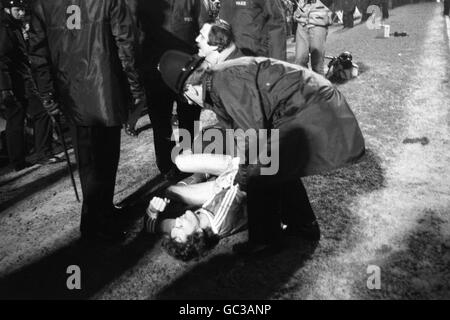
<point>100,265</point>
<point>14,177</point>
<point>13,196</point>
<point>227,276</point>
<point>421,270</point>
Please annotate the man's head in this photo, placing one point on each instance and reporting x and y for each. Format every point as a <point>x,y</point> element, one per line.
<point>195,246</point>
<point>15,8</point>
<point>176,67</point>
<point>181,72</point>
<point>214,36</point>
<point>185,225</point>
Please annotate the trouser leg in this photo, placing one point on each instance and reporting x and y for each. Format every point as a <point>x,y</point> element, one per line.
<point>43,128</point>
<point>160,114</point>
<point>302,46</point>
<point>318,37</point>
<point>98,151</point>
<point>15,117</point>
<point>296,209</point>
<point>280,195</point>
<point>348,18</point>
<point>187,117</point>
<point>264,221</point>
<point>385,9</point>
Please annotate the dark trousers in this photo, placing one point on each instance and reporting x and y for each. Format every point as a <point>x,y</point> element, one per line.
<point>348,18</point>
<point>160,112</point>
<point>15,140</point>
<point>97,151</point>
<point>15,113</point>
<point>270,204</point>
<point>446,7</point>
<point>43,128</point>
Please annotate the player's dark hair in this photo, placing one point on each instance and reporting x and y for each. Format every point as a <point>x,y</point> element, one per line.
<point>196,245</point>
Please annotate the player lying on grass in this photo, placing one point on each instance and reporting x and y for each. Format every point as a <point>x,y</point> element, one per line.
<point>213,208</point>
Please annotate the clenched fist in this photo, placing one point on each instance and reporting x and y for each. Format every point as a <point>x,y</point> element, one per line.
<point>156,206</point>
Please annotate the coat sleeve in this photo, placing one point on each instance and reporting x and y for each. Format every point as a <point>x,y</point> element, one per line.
<point>276,29</point>
<point>39,52</point>
<point>5,78</point>
<point>124,31</point>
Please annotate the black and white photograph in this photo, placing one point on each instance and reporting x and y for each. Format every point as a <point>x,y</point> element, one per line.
<point>225,155</point>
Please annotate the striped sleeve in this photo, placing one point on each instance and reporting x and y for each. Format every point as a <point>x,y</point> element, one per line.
<point>151,221</point>
<point>225,211</point>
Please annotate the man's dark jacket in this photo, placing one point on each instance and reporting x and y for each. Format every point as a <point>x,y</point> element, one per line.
<point>15,73</point>
<point>259,26</point>
<point>317,129</point>
<point>88,46</point>
<point>165,25</point>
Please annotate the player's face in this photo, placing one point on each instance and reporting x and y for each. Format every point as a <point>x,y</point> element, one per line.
<point>185,225</point>
<point>204,49</point>
<point>18,13</point>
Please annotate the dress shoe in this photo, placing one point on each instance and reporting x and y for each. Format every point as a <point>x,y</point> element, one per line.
<point>51,160</point>
<point>309,231</point>
<point>251,248</point>
<point>111,236</point>
<point>22,166</point>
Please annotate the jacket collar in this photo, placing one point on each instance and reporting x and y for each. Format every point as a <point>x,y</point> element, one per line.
<point>8,21</point>
<point>228,53</point>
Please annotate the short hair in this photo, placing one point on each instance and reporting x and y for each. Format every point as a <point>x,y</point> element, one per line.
<point>196,245</point>
<point>220,35</point>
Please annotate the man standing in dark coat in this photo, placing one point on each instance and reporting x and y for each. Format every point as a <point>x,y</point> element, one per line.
<point>165,25</point>
<point>18,91</point>
<point>259,26</point>
<point>312,130</point>
<point>83,53</point>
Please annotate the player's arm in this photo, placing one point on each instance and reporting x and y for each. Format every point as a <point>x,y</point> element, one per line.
<point>154,221</point>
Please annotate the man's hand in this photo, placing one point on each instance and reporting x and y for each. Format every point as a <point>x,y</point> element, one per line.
<point>52,107</point>
<point>139,103</point>
<point>6,95</point>
<point>139,99</point>
<point>156,206</point>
